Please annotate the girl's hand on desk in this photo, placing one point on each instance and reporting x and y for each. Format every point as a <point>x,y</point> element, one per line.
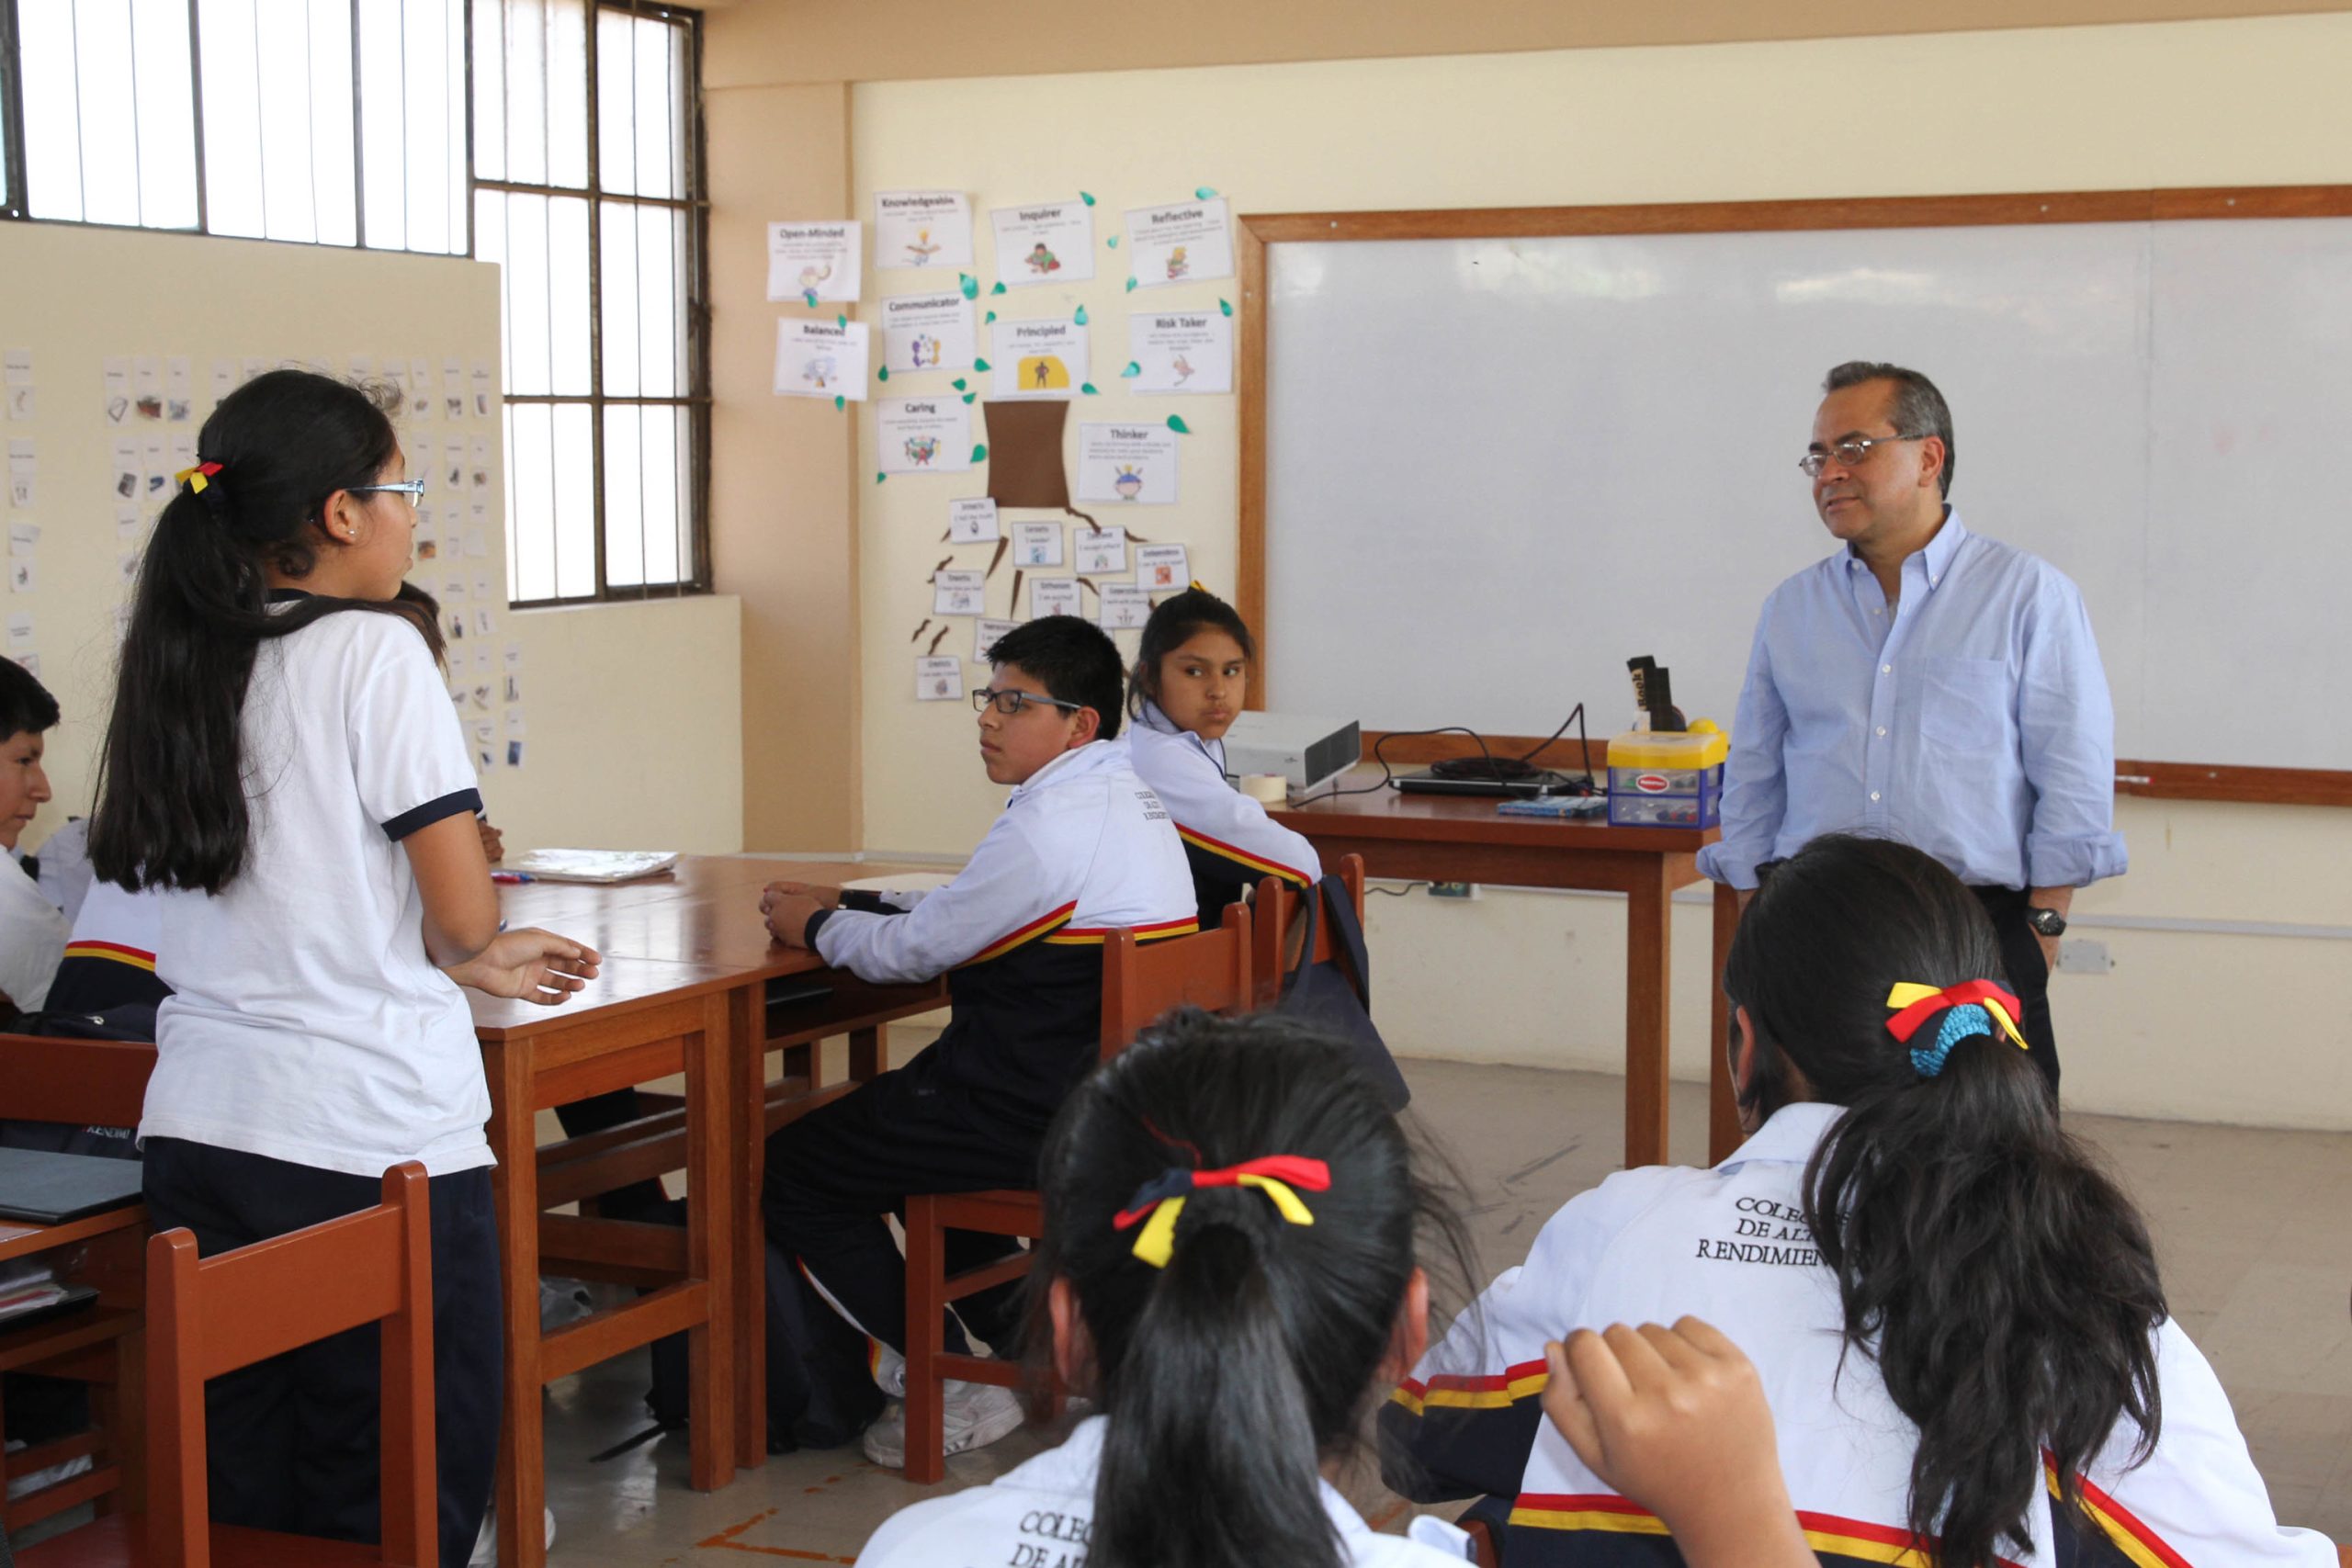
<point>529,965</point>
<point>826,898</point>
<point>787,913</point>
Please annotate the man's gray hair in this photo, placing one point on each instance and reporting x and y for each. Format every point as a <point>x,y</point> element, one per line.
<point>1919,409</point>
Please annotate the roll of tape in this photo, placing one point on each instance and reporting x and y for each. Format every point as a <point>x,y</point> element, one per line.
<point>1271,789</point>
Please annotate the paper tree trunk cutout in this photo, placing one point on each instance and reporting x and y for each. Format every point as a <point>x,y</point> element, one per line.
<point>1026,454</point>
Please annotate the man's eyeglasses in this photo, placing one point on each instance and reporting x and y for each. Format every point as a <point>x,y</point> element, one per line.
<point>413,489</point>
<point>1009,702</point>
<point>1848,452</point>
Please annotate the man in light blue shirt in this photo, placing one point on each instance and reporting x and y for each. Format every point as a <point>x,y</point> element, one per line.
<point>1927,684</point>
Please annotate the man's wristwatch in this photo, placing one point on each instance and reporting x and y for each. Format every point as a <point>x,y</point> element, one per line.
<point>2046,922</point>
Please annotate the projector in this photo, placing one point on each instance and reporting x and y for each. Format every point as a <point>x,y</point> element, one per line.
<point>1307,752</point>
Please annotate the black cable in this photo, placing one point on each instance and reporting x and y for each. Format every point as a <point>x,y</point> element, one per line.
<point>1403,892</point>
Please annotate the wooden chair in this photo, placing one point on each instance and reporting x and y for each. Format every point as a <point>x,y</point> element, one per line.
<point>1273,915</point>
<point>1210,970</point>
<point>83,1083</point>
<point>215,1316</point>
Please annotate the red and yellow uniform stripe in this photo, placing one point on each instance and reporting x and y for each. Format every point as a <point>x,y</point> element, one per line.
<point>2140,1546</point>
<point>1493,1391</point>
<point>1028,933</point>
<point>1239,856</point>
<point>1094,936</point>
<point>1854,1539</point>
<point>113,951</point>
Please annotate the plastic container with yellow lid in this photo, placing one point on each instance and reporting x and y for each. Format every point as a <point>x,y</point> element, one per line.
<point>1660,779</point>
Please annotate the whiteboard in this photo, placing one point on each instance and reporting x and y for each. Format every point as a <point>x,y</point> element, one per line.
<point>1498,469</point>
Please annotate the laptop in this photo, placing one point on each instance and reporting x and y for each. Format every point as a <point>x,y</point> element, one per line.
<point>1530,788</point>
<point>49,1188</point>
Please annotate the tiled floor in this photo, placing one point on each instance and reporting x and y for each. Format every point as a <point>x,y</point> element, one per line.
<point>2252,1229</point>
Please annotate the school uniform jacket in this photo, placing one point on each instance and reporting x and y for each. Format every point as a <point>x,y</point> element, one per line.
<point>1229,842</point>
<point>1040,1513</point>
<point>1081,849</point>
<point>1730,1246</point>
<point>111,961</point>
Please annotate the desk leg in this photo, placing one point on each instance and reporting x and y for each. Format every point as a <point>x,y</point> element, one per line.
<point>865,1054</point>
<point>1649,914</point>
<point>521,1491</point>
<point>747,1066</point>
<point>1722,1112</point>
<point>711,1144</point>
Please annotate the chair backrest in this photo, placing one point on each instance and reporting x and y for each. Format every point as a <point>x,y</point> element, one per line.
<point>88,1083</point>
<point>1143,981</point>
<point>1275,914</point>
<point>210,1316</point>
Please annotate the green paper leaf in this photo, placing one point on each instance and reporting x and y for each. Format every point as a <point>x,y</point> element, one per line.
<point>1204,194</point>
<point>840,402</point>
<point>991,319</point>
<point>812,297</point>
<point>1088,388</point>
<point>969,395</point>
<point>879,476</point>
<point>1086,198</point>
<point>884,373</point>
<point>1225,306</point>
<point>979,454</point>
<point>841,321</point>
<point>1176,423</point>
<point>1081,317</point>
<point>979,364</point>
<point>958,383</point>
<point>998,289</point>
<point>968,283</point>
<point>1133,369</point>
<point>1131,286</point>
<point>1113,241</point>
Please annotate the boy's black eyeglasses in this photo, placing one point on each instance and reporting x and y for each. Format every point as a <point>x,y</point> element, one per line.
<point>1009,702</point>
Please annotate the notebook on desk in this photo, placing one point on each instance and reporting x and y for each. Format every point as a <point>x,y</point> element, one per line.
<point>51,1189</point>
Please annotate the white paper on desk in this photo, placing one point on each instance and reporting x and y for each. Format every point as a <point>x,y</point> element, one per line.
<point>1179,243</point>
<point>1134,463</point>
<point>1036,544</point>
<point>1180,351</point>
<point>591,865</point>
<point>922,228</point>
<point>972,520</point>
<point>924,435</point>
<point>1045,241</point>
<point>958,593</point>
<point>1052,596</point>
<point>1102,550</point>
<point>820,258</point>
<point>901,882</point>
<point>928,332</point>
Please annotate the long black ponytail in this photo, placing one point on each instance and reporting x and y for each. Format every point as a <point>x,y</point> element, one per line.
<point>171,807</point>
<point>1226,1376</point>
<point>2002,1281</point>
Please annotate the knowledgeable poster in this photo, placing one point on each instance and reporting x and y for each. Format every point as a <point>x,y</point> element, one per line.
<point>922,228</point>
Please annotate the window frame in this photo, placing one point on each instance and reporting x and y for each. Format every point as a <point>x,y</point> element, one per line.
<point>696,401</point>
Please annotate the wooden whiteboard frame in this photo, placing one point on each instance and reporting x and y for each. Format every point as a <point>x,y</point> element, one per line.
<point>2167,781</point>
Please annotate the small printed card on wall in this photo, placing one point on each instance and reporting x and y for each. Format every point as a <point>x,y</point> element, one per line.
<point>924,435</point>
<point>1125,606</point>
<point>1180,351</point>
<point>1045,241</point>
<point>1036,544</point>
<point>1052,596</point>
<point>820,259</point>
<point>821,359</point>
<point>958,593</point>
<point>972,520</point>
<point>927,332</point>
<point>1038,359</point>
<point>1101,550</point>
<point>1126,462</point>
<point>985,636</point>
<point>1179,243</point>
<point>1162,569</point>
<point>922,228</point>
<point>938,680</point>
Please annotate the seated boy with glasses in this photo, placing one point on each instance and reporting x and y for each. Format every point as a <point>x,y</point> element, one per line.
<point>1082,848</point>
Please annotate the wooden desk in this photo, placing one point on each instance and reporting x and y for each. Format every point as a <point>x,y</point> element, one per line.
<point>1451,838</point>
<point>101,1344</point>
<point>683,991</point>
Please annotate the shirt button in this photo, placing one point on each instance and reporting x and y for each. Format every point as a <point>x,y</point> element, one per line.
<point>1880,611</point>
<point>1886,669</point>
<point>1873,794</point>
<point>1882,729</point>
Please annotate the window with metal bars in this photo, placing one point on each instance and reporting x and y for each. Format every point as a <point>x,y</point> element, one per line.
<point>587,182</point>
<point>339,122</point>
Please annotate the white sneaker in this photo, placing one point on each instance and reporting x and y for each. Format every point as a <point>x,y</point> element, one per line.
<point>976,1414</point>
<point>486,1544</point>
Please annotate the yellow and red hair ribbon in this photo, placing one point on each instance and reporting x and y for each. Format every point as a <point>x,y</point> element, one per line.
<point>1159,1202</point>
<point>196,477</point>
<point>1916,1004</point>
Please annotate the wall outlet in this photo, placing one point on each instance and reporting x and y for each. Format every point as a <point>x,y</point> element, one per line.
<point>2083,955</point>
<point>1464,890</point>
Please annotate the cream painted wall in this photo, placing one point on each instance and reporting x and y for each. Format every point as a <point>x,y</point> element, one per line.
<point>630,712</point>
<point>2252,102</point>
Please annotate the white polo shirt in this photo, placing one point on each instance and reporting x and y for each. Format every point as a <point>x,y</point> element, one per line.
<point>33,938</point>
<point>1042,1512</point>
<point>307,1022</point>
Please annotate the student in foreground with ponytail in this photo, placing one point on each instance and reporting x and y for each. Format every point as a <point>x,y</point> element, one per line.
<point>1955,1314</point>
<point>1230,1272</point>
<point>283,756</point>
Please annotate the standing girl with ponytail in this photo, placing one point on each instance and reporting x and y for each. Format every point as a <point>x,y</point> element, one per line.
<point>1229,1271</point>
<point>283,755</point>
<point>1955,1314</point>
